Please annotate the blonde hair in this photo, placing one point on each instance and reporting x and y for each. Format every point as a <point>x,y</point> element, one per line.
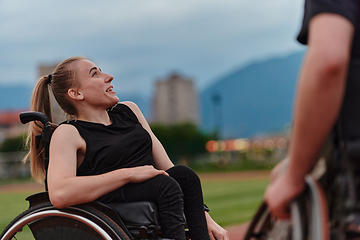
<point>62,79</point>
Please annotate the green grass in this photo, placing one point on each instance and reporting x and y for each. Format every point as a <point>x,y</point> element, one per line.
<point>230,202</point>
<point>232,166</point>
<point>233,202</point>
<point>16,181</point>
<point>11,205</point>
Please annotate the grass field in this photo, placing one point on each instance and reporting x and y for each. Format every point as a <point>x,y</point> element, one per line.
<point>233,202</point>
<point>230,202</point>
<point>11,205</point>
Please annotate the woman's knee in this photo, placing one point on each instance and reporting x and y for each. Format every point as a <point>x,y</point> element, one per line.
<point>183,172</point>
<point>169,186</point>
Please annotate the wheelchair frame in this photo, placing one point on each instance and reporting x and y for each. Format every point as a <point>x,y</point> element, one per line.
<point>92,220</point>
<point>330,210</point>
<point>309,218</point>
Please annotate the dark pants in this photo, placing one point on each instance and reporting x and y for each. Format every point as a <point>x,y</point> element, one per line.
<point>175,195</point>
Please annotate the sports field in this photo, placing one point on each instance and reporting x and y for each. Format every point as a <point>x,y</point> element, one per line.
<point>232,197</point>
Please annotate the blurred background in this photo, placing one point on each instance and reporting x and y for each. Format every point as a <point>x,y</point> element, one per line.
<point>215,79</point>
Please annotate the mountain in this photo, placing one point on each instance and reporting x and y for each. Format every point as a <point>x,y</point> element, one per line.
<point>253,100</point>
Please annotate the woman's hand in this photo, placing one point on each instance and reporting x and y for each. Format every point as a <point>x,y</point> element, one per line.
<point>143,173</point>
<point>216,232</point>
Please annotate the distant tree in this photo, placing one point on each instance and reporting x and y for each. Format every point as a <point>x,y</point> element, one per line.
<point>181,141</point>
<point>13,144</point>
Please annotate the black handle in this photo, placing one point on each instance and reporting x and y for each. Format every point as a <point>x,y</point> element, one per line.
<point>26,117</point>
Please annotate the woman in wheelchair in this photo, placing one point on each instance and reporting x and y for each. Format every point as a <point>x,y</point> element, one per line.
<point>107,152</point>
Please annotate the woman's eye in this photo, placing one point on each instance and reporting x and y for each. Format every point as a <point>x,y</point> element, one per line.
<point>95,73</point>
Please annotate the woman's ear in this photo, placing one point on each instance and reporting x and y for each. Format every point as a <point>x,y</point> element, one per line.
<point>73,94</point>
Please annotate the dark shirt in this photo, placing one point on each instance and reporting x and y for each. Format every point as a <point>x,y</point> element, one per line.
<point>122,144</point>
<point>349,9</point>
<point>348,124</point>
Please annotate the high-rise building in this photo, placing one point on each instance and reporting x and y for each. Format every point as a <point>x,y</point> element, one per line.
<point>175,101</point>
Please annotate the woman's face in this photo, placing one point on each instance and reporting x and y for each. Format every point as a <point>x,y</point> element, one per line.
<point>93,86</point>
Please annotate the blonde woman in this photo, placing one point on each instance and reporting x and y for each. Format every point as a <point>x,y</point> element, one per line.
<point>109,153</point>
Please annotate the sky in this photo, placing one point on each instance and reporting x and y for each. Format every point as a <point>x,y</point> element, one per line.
<point>140,41</point>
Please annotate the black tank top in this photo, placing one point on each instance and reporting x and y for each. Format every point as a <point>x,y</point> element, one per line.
<point>123,144</point>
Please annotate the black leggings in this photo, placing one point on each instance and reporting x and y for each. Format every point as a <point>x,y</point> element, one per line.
<point>180,193</point>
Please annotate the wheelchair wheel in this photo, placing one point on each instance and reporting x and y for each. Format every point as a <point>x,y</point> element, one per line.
<point>44,221</point>
<point>309,218</point>
<point>264,226</point>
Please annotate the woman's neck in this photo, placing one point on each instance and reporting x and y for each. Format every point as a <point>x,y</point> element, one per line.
<point>100,116</point>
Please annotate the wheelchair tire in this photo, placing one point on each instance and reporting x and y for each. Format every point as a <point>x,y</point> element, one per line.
<point>263,226</point>
<point>309,218</point>
<point>78,222</point>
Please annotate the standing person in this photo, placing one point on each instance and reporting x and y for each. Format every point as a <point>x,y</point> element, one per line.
<point>328,90</point>
<point>109,153</point>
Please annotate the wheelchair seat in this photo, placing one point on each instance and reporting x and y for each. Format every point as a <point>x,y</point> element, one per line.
<point>138,219</point>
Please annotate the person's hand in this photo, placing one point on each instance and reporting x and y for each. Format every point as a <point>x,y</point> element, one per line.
<point>278,169</point>
<point>216,232</point>
<point>281,192</point>
<point>143,173</point>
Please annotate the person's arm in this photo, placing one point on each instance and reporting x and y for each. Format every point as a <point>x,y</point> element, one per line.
<point>67,189</point>
<point>161,159</point>
<point>319,96</point>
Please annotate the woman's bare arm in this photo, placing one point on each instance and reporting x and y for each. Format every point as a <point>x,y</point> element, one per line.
<point>66,189</point>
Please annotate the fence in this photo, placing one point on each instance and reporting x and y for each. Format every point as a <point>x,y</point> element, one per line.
<point>11,165</point>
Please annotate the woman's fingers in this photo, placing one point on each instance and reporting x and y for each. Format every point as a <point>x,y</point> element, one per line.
<point>211,236</point>
<point>143,173</point>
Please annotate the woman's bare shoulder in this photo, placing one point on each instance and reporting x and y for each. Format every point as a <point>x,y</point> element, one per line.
<point>130,104</point>
<point>66,133</point>
<point>64,128</point>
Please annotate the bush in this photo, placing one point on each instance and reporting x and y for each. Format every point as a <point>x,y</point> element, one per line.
<point>181,141</point>
<point>14,144</point>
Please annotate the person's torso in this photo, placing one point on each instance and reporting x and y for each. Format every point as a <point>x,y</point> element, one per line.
<point>122,144</point>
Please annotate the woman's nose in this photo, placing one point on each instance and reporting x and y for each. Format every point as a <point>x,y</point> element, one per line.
<point>109,78</point>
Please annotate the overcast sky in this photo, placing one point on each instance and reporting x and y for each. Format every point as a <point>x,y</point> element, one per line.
<point>138,41</point>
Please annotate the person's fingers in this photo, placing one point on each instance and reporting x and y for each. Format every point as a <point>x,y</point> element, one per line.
<point>278,210</point>
<point>280,213</point>
<point>164,173</point>
<point>211,235</point>
<point>226,235</point>
<point>220,236</point>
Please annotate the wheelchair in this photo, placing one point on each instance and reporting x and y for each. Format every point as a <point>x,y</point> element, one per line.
<point>93,221</point>
<point>327,209</point>
<point>309,218</point>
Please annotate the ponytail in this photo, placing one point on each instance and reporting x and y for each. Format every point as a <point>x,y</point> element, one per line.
<point>40,103</point>
<point>62,79</point>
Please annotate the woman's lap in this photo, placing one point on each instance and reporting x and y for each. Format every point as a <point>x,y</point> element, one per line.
<point>182,189</point>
